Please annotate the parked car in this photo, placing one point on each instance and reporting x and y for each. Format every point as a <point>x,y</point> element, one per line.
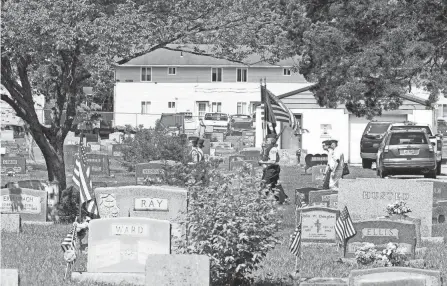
<point>434,138</point>
<point>240,122</point>
<point>371,138</point>
<point>218,121</point>
<point>406,152</point>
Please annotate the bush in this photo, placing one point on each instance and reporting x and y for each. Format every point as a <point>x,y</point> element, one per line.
<point>229,219</point>
<point>68,208</point>
<point>154,144</point>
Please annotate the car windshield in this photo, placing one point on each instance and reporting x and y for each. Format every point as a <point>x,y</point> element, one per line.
<point>241,118</point>
<point>406,127</point>
<point>216,116</point>
<point>378,128</point>
<point>406,138</point>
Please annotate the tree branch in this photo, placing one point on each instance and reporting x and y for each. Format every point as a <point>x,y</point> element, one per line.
<point>21,113</point>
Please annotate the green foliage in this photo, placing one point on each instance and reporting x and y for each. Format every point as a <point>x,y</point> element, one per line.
<point>68,208</point>
<point>229,219</point>
<point>152,144</point>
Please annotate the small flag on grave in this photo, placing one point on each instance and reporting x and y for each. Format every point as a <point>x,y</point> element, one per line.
<point>344,227</point>
<point>69,246</point>
<point>295,241</point>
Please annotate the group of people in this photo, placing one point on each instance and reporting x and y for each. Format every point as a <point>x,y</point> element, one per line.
<point>335,165</point>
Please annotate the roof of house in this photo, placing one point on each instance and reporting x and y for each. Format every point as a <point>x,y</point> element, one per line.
<point>192,56</point>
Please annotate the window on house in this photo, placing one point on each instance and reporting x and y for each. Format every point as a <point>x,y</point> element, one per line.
<point>216,74</point>
<point>216,107</point>
<point>171,104</point>
<point>201,106</point>
<point>241,75</point>
<point>241,108</point>
<point>145,107</point>
<point>286,71</point>
<point>146,74</point>
<point>172,71</point>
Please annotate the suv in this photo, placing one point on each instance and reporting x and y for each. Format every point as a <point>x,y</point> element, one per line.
<point>406,152</point>
<point>436,139</point>
<point>371,138</point>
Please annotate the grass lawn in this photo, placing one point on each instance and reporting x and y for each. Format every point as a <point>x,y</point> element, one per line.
<point>36,252</point>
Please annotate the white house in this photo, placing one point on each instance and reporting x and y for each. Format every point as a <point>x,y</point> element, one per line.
<point>166,81</point>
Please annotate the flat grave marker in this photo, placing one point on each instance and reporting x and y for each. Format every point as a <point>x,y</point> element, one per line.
<point>149,170</point>
<point>318,224</point>
<point>321,197</point>
<point>30,204</point>
<point>382,232</point>
<point>367,199</point>
<point>9,277</point>
<point>99,164</point>
<point>395,276</point>
<point>15,164</point>
<point>123,244</point>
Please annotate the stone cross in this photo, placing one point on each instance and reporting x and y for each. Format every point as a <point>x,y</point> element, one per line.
<point>318,224</point>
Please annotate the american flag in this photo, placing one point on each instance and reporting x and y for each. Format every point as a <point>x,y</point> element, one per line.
<point>276,110</point>
<point>81,178</point>
<point>344,227</point>
<point>295,241</point>
<point>69,241</point>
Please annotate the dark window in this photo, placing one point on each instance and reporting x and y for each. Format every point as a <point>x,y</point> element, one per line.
<point>378,128</point>
<point>408,138</point>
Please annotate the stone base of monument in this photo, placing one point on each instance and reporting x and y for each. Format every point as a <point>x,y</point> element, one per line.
<point>325,281</point>
<point>420,251</point>
<point>109,278</point>
<point>434,239</point>
<point>38,222</point>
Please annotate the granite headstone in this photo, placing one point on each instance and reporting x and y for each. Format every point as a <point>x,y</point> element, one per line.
<point>30,204</point>
<point>318,174</point>
<point>9,277</point>
<point>15,164</point>
<point>395,276</point>
<point>302,195</point>
<point>217,136</point>
<point>251,154</point>
<point>318,224</point>
<point>368,198</point>
<point>69,154</point>
<point>147,170</point>
<point>99,164</point>
<point>321,197</point>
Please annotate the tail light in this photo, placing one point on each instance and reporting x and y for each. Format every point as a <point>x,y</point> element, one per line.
<point>430,148</point>
<point>439,145</point>
<point>386,149</point>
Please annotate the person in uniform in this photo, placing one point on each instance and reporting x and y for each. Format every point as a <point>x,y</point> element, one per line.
<point>271,169</point>
<point>195,153</point>
<point>200,150</point>
<point>298,155</point>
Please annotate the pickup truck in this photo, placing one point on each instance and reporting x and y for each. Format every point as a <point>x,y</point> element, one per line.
<point>218,121</point>
<point>435,139</point>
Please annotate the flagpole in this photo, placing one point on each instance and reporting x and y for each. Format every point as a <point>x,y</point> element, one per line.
<point>81,141</point>
<point>264,124</point>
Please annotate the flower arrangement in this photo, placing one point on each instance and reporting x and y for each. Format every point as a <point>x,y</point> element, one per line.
<point>392,255</point>
<point>398,208</point>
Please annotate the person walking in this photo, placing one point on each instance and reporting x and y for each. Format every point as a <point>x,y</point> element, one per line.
<point>200,131</point>
<point>338,162</point>
<point>195,153</point>
<point>328,172</point>
<point>298,156</point>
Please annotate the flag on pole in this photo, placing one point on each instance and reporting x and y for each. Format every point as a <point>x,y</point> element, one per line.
<point>81,178</point>
<point>295,241</point>
<point>69,241</point>
<point>275,110</point>
<point>344,227</point>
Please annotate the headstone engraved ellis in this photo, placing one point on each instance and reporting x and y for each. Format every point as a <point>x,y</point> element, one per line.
<point>234,158</point>
<point>147,170</point>
<point>368,198</point>
<point>9,277</point>
<point>318,174</point>
<point>30,204</point>
<point>318,224</point>
<point>321,198</point>
<point>395,276</point>
<point>178,269</point>
<point>123,244</point>
<point>156,202</point>
<point>382,232</point>
<point>99,164</point>
<point>15,164</point>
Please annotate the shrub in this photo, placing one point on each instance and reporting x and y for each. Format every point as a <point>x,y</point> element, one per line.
<point>229,219</point>
<point>68,208</point>
<point>154,144</point>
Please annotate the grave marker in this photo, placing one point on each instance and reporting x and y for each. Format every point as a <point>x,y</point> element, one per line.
<point>321,197</point>
<point>251,154</point>
<point>147,170</point>
<point>69,154</point>
<point>99,164</point>
<point>117,150</point>
<point>91,137</point>
<point>380,233</point>
<point>318,174</point>
<point>314,160</point>
<point>95,147</point>
<point>303,195</point>
<point>217,136</point>
<point>368,198</point>
<point>11,223</point>
<point>123,244</point>
<point>318,224</point>
<point>206,146</point>
<point>9,277</point>
<point>15,164</point>
<point>333,201</point>
<point>30,204</point>
<point>178,269</point>
<point>395,276</point>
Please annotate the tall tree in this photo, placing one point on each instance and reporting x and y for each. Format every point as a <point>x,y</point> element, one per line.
<point>366,53</point>
<point>55,47</point>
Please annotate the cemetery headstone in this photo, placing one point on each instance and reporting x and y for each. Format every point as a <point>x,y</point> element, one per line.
<point>248,138</point>
<point>69,154</point>
<point>382,232</point>
<point>178,269</point>
<point>439,200</point>
<point>217,136</point>
<point>157,202</point>
<point>395,276</point>
<point>147,170</point>
<point>91,137</point>
<point>95,147</point>
<point>318,174</point>
<point>368,198</point>
<point>14,164</point>
<point>123,244</point>
<point>99,185</point>
<point>287,157</point>
<point>9,277</point>
<point>251,154</point>
<point>318,225</point>
<point>321,197</point>
<point>206,146</point>
<point>220,145</point>
<point>28,184</point>
<point>316,159</point>
<point>30,204</point>
<point>11,223</point>
<point>117,150</point>
<point>302,195</point>
<point>234,158</point>
<point>333,201</point>
<point>99,164</point>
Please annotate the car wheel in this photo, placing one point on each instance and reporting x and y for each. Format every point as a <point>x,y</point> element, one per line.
<point>366,164</point>
<point>431,174</point>
<point>438,168</point>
